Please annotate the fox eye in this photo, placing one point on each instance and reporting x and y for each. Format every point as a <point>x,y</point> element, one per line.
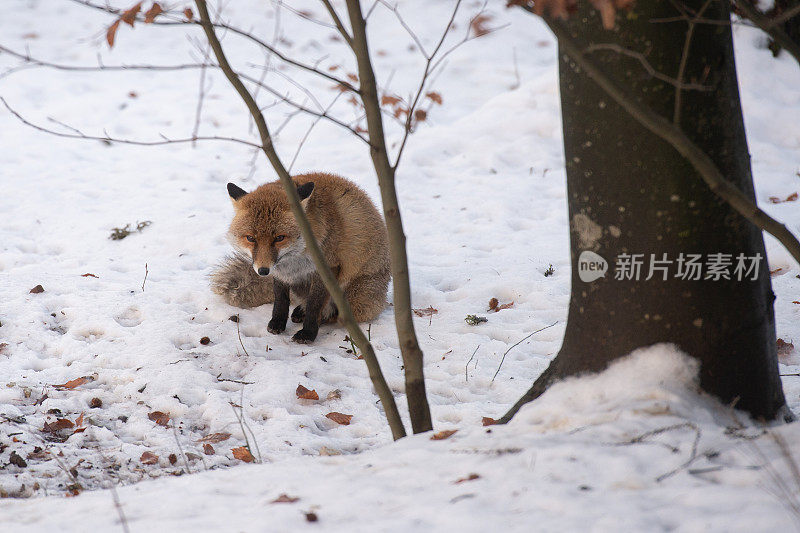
<point>250,238</point>
<point>279,238</point>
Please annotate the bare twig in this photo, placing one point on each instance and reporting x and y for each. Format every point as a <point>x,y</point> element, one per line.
<point>239,334</point>
<point>517,344</point>
<point>338,22</point>
<point>774,30</point>
<point>466,376</point>
<point>145,276</point>
<point>676,114</point>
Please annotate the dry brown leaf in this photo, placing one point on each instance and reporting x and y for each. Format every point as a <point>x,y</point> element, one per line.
<point>188,14</point>
<point>129,15</point>
<point>792,197</point>
<point>445,434</point>
<point>470,477</point>
<point>58,425</point>
<point>208,449</point>
<point>215,437</point>
<point>435,97</point>
<point>37,290</point>
<point>111,33</point>
<point>285,498</point>
<point>352,77</point>
<point>505,306</point>
<point>77,382</point>
<point>420,115</point>
<point>305,394</point>
<point>152,13</point>
<point>148,458</point>
<point>243,454</point>
<point>162,419</point>
<point>785,349</point>
<point>3,346</point>
<point>428,311</point>
<point>488,421</point>
<point>478,25</point>
<point>340,418</point>
<point>88,275</point>
<point>79,420</point>
<point>493,303</point>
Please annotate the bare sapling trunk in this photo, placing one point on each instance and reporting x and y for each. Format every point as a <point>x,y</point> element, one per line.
<point>418,408</point>
<point>384,393</point>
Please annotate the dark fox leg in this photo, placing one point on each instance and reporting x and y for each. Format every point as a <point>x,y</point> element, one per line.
<point>317,299</point>
<point>299,314</point>
<point>280,310</point>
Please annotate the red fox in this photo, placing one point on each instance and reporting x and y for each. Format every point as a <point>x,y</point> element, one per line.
<point>272,260</point>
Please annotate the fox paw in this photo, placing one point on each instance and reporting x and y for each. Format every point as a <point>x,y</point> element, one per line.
<point>298,315</point>
<point>304,336</point>
<point>276,326</point>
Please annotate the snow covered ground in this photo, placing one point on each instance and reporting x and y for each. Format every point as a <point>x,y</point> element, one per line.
<point>482,191</point>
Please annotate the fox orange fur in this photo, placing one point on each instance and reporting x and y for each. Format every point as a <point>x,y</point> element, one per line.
<point>273,262</point>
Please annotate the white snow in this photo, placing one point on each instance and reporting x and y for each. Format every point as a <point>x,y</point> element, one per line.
<point>483,197</point>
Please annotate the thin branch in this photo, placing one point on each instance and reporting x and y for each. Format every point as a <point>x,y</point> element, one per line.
<point>232,29</point>
<point>517,344</point>
<point>345,312</point>
<point>640,57</point>
<point>308,132</point>
<point>425,74</point>
<point>336,20</point>
<point>773,30</point>
<point>110,139</point>
<point>676,114</point>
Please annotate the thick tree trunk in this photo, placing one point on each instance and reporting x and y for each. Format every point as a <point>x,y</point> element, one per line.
<point>630,192</point>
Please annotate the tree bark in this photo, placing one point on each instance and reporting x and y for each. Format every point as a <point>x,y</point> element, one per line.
<point>631,192</point>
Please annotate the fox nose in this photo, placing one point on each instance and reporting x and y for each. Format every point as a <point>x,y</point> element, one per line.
<point>263,271</point>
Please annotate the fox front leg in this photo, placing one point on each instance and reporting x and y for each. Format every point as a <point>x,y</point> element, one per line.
<point>280,309</point>
<point>316,300</point>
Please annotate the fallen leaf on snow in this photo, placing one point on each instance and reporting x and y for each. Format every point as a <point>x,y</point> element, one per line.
<point>215,437</point>
<point>162,419</point>
<point>243,454</point>
<point>305,394</point>
<point>208,449</point>
<point>148,458</point>
<point>37,289</point>
<point>285,498</point>
<point>89,275</point>
<point>340,418</point>
<point>785,349</point>
<point>428,311</point>
<point>77,382</point>
<point>445,434</point>
<point>335,394</point>
<point>470,477</point>
<point>488,421</point>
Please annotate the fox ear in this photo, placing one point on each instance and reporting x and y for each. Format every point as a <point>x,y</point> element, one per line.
<point>305,190</point>
<point>235,192</point>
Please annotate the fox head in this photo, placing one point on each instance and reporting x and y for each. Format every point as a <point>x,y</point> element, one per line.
<point>264,227</point>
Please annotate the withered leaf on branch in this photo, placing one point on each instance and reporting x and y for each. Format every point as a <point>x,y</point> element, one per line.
<point>162,419</point>
<point>435,97</point>
<point>111,33</point>
<point>445,434</point>
<point>305,394</point>
<point>129,15</point>
<point>188,14</point>
<point>243,454</point>
<point>390,100</point>
<point>152,13</point>
<point>340,418</point>
<point>148,458</point>
<point>215,437</point>
<point>420,115</point>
